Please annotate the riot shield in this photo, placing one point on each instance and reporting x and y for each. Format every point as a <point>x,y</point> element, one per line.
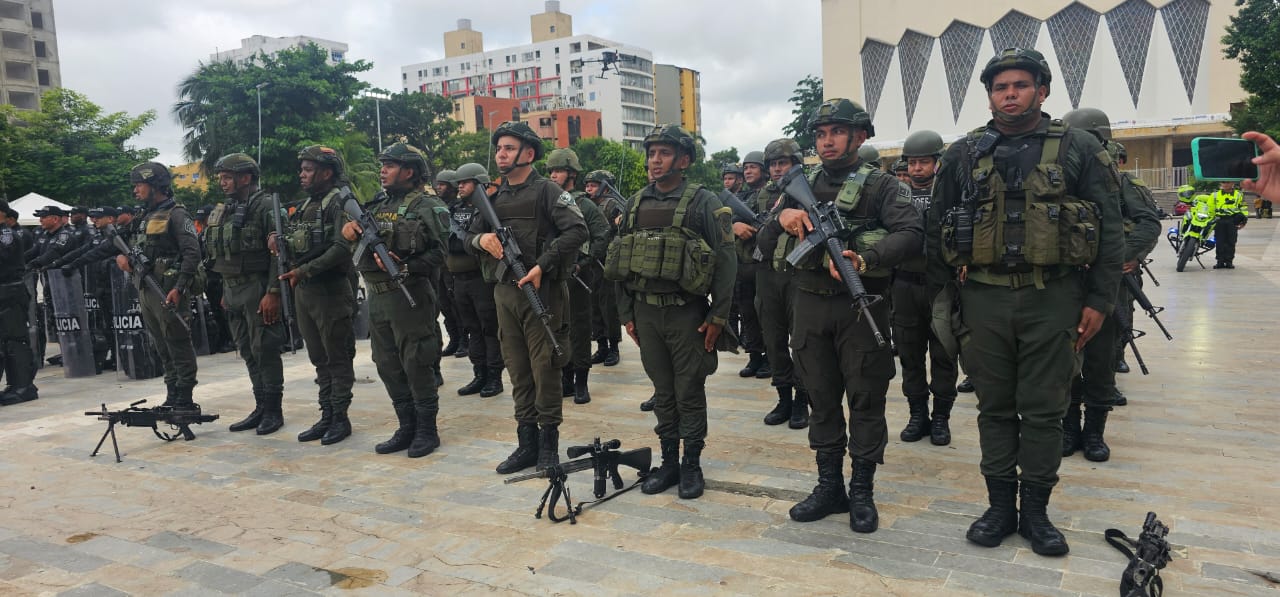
<point>97,304</point>
<point>360,320</point>
<point>136,355</point>
<point>35,323</point>
<point>71,323</point>
<point>200,325</point>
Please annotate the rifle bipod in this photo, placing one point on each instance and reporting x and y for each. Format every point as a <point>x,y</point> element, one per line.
<point>557,486</point>
<point>603,458</point>
<point>180,420</point>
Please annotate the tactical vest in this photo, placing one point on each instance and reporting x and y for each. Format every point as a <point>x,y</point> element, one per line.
<point>863,232</point>
<point>235,237</point>
<point>1140,187</point>
<point>403,229</point>
<point>657,254</point>
<point>11,258</point>
<point>1022,225</point>
<point>521,215</point>
<point>159,243</point>
<point>310,233</point>
<point>456,258</point>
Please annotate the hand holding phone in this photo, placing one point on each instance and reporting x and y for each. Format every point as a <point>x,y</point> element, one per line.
<point>1268,181</point>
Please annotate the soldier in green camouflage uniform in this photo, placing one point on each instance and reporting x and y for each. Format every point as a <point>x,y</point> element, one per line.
<point>405,339</point>
<point>663,302</point>
<point>323,295</point>
<point>236,239</point>
<point>167,236</point>
<point>474,293</point>
<point>1030,209</point>
<point>447,191</point>
<point>606,327</point>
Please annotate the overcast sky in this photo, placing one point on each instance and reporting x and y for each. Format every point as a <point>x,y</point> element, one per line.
<point>130,54</point>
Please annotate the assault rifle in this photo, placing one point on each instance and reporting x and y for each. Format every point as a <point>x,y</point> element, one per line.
<point>828,231</point>
<point>284,263</point>
<point>511,258</point>
<point>180,420</point>
<point>370,239</point>
<point>603,458</point>
<point>143,269</point>
<point>1128,335</point>
<point>1135,290</point>
<point>1150,554</point>
<point>741,212</point>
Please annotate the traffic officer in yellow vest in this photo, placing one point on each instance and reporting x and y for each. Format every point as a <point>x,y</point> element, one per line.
<point>548,227</point>
<point>1031,209</point>
<point>1232,213</point>
<point>405,339</point>
<point>236,238</point>
<point>167,237</point>
<point>674,247</point>
<point>837,354</point>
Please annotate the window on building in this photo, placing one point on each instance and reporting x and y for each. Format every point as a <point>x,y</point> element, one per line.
<point>405,76</point>
<point>544,121</point>
<point>537,54</point>
<point>446,70</point>
<point>435,72</point>
<point>336,56</point>
<point>526,57</point>
<point>490,62</point>
<point>464,45</point>
<point>553,28</point>
<point>591,96</point>
<point>575,48</point>
<point>42,51</point>
<point>37,20</point>
<point>42,76</point>
<point>557,51</point>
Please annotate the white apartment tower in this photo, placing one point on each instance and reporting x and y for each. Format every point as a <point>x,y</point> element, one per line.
<point>557,70</point>
<point>251,46</point>
<point>28,52</point>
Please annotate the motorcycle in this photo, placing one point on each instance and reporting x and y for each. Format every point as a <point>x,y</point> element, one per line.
<point>1193,236</point>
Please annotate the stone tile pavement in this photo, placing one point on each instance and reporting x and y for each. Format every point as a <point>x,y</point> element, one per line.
<point>238,513</point>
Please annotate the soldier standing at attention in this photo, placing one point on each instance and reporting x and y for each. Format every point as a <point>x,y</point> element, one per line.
<point>323,296</point>
<point>836,352</point>
<point>236,238</point>
<point>913,313</point>
<point>744,318</point>
<point>548,227</point>
<point>405,340</point>
<point>18,364</point>
<point>459,336</point>
<point>663,303</point>
<point>1033,299</point>
<point>167,236</point>
<point>604,313</point>
<point>474,294</point>
<point>563,169</point>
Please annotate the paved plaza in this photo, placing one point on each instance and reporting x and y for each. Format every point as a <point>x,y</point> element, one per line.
<point>236,513</point>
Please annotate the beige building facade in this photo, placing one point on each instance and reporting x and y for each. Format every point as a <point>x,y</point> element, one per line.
<point>1155,67</point>
<point>28,52</point>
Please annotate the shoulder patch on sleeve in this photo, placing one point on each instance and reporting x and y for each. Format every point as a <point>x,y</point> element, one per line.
<point>1113,175</point>
<point>566,201</point>
<point>724,217</point>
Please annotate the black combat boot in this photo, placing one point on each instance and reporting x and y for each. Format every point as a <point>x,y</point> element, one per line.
<point>1095,424</point>
<point>940,429</point>
<point>601,353</point>
<point>917,422</point>
<point>272,412</point>
<point>566,381</point>
<point>613,358</point>
<point>863,517</point>
<point>404,433</point>
<point>667,475</point>
<point>451,347</point>
<point>476,384</point>
<point>464,348</point>
<point>691,483</point>
<point>754,361</point>
<point>526,452</point>
<point>425,436</point>
<point>320,427</point>
<point>1071,430</point>
<point>548,446</point>
<point>339,427</point>
<point>581,394</point>
<point>439,376</point>
<point>1001,518</point>
<point>254,419</point>
<point>170,396</point>
<point>965,386</point>
<point>799,410</point>
<point>1121,366</point>
<point>765,371</point>
<point>182,399</point>
<point>492,383</point>
<point>782,411</point>
<point>828,496</point>
<point>1033,521</point>
<point>17,395</point>
<point>1119,399</point>
<point>647,405</point>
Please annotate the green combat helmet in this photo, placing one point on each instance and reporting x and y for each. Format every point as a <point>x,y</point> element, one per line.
<point>565,159</point>
<point>867,153</point>
<point>237,163</point>
<point>1019,58</point>
<point>325,156</point>
<point>472,171</point>
<point>731,169</point>
<point>521,131</point>
<point>599,177</point>
<point>1119,154</point>
<point>152,173</point>
<point>843,111</point>
<point>922,144</point>
<point>448,177</point>
<point>783,148</point>
<point>900,165</point>
<point>1089,119</point>
<point>756,157</point>
<point>406,155</point>
<point>675,136</point>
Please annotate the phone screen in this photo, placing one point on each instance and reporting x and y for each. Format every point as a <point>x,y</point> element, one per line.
<point>1224,159</point>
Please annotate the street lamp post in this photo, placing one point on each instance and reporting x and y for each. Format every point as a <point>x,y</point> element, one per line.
<point>377,98</point>
<point>490,158</point>
<point>259,87</point>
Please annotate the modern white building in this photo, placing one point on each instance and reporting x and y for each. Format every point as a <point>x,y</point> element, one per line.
<point>252,46</point>
<point>557,70</point>
<point>28,52</point>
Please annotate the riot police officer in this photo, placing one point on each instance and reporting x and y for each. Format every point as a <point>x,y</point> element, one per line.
<point>19,366</point>
<point>548,226</point>
<point>836,352</point>
<point>236,236</point>
<point>323,293</point>
<point>664,306</point>
<point>476,310</point>
<point>90,258</point>
<point>1050,193</point>
<point>405,339</point>
<point>166,236</point>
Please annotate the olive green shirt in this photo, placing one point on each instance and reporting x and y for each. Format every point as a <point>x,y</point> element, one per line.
<point>419,247</point>
<point>599,229</point>
<point>560,228</point>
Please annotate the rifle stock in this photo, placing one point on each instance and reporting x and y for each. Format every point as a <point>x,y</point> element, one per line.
<point>284,263</point>
<point>370,239</point>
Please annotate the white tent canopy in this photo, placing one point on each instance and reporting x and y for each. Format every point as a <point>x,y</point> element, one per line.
<point>27,205</point>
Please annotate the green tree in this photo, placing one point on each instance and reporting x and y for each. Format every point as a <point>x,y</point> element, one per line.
<point>726,156</point>
<point>462,148</point>
<point>806,97</point>
<point>420,119</point>
<point>302,96</point>
<point>625,163</point>
<point>1253,38</point>
<point>70,150</point>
